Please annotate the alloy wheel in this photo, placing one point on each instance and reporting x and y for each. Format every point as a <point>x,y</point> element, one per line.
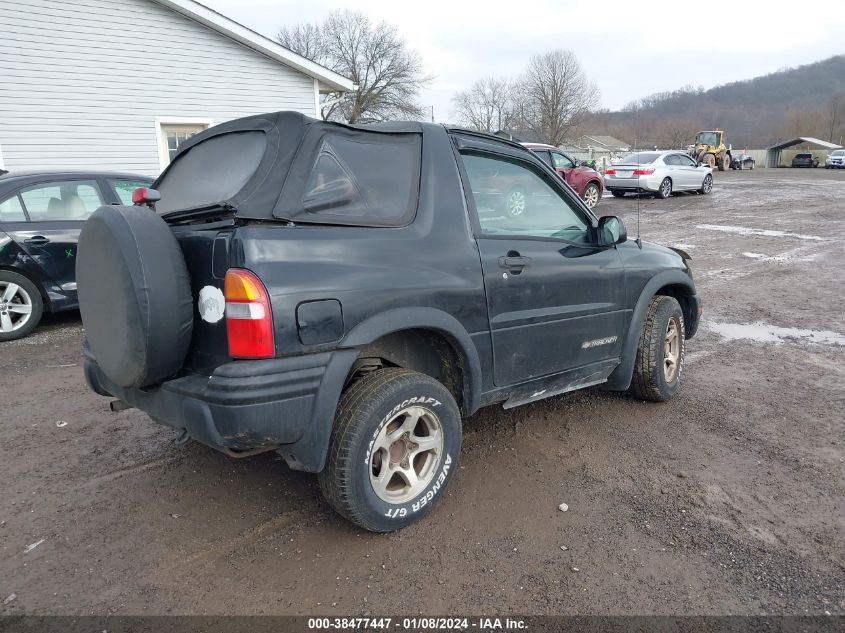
<point>15,307</point>
<point>708,184</point>
<point>591,196</point>
<point>406,454</point>
<point>672,349</point>
<point>516,203</point>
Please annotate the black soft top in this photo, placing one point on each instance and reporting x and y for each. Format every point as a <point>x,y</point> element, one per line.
<point>259,166</point>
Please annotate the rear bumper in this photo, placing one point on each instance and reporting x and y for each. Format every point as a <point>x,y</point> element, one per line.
<point>284,403</point>
<point>640,183</point>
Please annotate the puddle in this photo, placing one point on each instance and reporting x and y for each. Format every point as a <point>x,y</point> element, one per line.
<point>741,230</point>
<point>765,333</point>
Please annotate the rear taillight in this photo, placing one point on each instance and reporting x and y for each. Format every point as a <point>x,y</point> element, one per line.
<point>610,172</point>
<point>249,319</point>
<point>643,172</point>
<point>145,195</point>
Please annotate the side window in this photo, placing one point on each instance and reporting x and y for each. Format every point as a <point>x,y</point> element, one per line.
<point>69,200</point>
<point>124,189</point>
<point>543,155</point>
<point>512,199</point>
<point>363,180</point>
<point>672,159</point>
<point>685,161</point>
<point>561,161</point>
<point>11,210</point>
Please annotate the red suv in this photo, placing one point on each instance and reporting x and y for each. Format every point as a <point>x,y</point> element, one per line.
<point>586,182</point>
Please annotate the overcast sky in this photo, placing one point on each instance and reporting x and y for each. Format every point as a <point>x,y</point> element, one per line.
<point>629,49</point>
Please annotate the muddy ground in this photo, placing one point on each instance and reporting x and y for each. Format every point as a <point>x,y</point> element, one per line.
<point>729,499</point>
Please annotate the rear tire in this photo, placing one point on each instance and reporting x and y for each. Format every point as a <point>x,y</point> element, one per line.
<point>665,189</point>
<point>21,306</point>
<point>660,352</point>
<point>378,474</point>
<point>617,194</point>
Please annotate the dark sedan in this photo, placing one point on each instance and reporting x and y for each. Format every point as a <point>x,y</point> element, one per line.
<point>742,161</point>
<point>805,160</point>
<point>41,215</point>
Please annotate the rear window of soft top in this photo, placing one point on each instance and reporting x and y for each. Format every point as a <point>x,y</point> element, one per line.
<point>211,171</point>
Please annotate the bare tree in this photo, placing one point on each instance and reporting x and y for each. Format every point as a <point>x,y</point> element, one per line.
<point>487,106</point>
<point>375,57</point>
<point>674,132</point>
<point>554,94</point>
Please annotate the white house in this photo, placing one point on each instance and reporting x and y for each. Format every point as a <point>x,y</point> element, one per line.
<point>117,84</point>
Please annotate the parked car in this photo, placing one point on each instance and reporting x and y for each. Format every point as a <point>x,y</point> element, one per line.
<point>835,160</point>
<point>585,180</point>
<point>335,293</point>
<point>41,214</point>
<point>742,161</point>
<point>805,160</point>
<point>659,173</point>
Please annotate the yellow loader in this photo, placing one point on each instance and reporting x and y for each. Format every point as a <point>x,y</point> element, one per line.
<point>710,149</point>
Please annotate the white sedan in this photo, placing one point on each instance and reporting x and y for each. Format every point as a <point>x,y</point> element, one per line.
<point>660,173</point>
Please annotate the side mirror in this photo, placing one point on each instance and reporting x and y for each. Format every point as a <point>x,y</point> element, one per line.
<point>611,231</point>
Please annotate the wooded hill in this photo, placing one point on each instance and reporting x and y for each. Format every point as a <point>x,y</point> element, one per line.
<point>803,101</point>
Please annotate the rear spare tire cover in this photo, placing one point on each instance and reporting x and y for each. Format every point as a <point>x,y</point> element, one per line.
<point>134,295</point>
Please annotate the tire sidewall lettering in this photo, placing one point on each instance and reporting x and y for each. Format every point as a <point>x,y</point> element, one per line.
<point>425,500</point>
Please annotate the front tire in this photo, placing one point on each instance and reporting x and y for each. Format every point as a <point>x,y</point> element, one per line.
<point>591,195</point>
<point>21,306</point>
<point>665,189</point>
<point>394,448</point>
<point>660,352</point>
<point>706,185</point>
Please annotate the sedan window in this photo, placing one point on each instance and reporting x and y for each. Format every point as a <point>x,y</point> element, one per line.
<point>67,200</point>
<point>11,210</point>
<point>561,161</point>
<point>543,154</point>
<point>124,189</point>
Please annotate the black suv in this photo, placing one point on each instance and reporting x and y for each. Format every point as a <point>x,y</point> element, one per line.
<point>345,294</point>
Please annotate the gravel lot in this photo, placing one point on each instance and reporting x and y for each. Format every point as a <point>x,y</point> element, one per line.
<point>729,499</point>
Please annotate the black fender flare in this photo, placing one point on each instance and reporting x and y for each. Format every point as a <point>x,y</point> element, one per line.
<point>400,319</point>
<point>620,379</point>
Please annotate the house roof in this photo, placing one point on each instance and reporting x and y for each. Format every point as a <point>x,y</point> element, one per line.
<point>330,81</point>
<point>606,141</point>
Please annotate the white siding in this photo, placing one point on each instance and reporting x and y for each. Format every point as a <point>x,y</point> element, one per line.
<point>82,82</point>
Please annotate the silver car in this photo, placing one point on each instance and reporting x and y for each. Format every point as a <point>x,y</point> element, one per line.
<point>836,160</point>
<point>660,173</point>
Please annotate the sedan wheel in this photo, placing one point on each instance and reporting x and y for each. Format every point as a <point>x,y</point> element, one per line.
<point>515,203</point>
<point>591,195</point>
<point>707,185</point>
<point>665,188</point>
<point>20,306</point>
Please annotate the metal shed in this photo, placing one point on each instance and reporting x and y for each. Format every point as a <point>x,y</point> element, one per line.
<point>774,153</point>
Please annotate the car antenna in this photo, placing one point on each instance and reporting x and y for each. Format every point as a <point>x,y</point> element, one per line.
<point>639,240</point>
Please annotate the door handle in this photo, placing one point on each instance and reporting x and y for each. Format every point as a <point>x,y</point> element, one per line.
<point>514,261</point>
<point>37,240</point>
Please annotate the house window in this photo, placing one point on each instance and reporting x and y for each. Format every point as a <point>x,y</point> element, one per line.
<point>174,134</point>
